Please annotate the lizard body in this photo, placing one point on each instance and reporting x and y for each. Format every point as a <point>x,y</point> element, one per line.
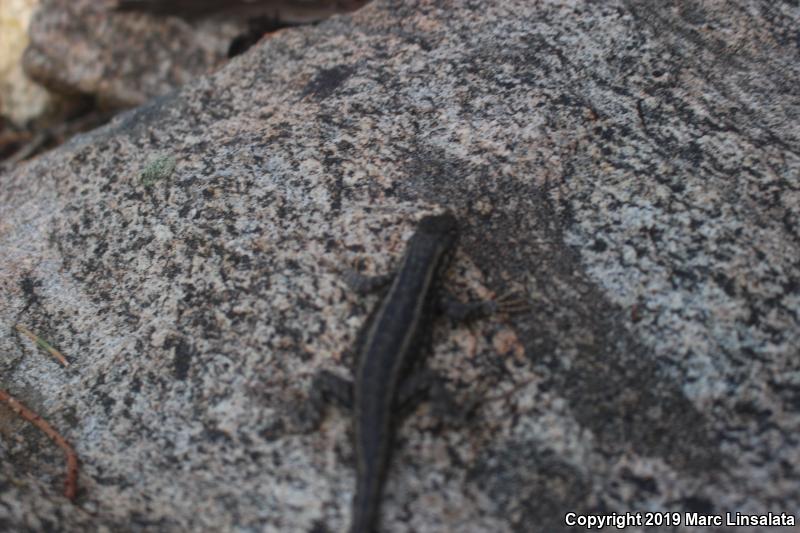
<point>395,340</point>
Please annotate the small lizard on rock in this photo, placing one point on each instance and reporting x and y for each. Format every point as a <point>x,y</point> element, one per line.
<point>391,346</point>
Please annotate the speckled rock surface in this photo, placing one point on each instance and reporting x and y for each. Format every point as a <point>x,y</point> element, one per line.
<point>84,47</point>
<point>633,166</point>
<point>20,99</point>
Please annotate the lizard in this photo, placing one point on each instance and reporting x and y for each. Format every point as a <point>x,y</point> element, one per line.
<point>391,346</point>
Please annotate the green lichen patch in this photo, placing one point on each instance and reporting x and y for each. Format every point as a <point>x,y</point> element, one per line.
<point>157,169</point>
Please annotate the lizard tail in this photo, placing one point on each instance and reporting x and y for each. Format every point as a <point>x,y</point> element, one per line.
<point>365,506</point>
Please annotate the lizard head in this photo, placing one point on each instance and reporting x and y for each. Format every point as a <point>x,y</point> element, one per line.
<point>443,227</point>
<point>441,232</point>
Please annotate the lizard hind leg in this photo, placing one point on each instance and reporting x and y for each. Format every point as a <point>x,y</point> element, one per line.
<point>428,385</point>
<point>326,389</point>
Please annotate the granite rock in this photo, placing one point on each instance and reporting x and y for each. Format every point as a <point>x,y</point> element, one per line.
<point>632,166</point>
<point>20,99</point>
<point>85,48</point>
<point>90,48</point>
